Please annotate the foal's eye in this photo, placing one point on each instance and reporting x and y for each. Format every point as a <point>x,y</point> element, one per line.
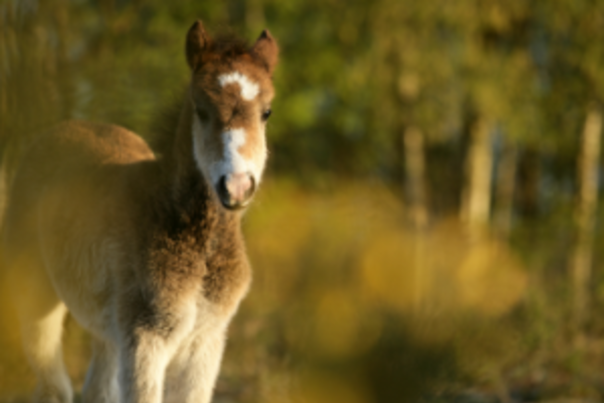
<point>266,114</point>
<point>203,115</point>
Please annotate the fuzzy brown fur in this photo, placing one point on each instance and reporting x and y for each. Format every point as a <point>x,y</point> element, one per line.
<point>134,241</point>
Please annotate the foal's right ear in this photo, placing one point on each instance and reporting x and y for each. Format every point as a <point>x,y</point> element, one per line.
<point>267,50</point>
<point>197,41</point>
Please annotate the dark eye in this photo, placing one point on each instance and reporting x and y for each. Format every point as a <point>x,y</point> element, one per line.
<point>203,115</point>
<point>266,114</point>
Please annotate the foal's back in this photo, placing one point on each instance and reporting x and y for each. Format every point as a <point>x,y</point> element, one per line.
<point>84,146</point>
<point>68,167</point>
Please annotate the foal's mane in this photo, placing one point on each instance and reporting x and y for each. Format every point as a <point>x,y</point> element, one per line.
<point>223,48</point>
<point>164,126</point>
<point>228,46</point>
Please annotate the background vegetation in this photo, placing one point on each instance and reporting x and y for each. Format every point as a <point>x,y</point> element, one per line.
<point>429,228</point>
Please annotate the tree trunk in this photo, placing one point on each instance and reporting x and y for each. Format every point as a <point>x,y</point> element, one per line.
<point>476,202</point>
<point>529,182</point>
<point>506,181</point>
<point>415,181</point>
<point>415,176</point>
<point>585,210</point>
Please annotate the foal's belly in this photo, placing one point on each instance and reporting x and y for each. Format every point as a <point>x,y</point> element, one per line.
<point>82,279</point>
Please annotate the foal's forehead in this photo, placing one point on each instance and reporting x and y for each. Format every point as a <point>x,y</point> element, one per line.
<point>243,80</point>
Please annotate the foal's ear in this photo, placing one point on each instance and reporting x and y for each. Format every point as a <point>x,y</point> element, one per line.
<point>197,41</point>
<point>267,50</point>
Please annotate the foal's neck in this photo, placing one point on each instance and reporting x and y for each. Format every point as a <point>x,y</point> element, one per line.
<point>181,163</point>
<point>182,192</point>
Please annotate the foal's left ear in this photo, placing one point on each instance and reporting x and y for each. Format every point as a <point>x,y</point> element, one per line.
<point>197,41</point>
<point>267,50</point>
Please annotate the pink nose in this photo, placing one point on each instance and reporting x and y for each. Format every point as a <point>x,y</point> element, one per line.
<point>238,185</point>
<point>236,189</point>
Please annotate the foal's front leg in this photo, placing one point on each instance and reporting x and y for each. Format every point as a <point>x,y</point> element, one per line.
<point>143,360</point>
<point>192,374</point>
<point>146,349</point>
<point>101,380</point>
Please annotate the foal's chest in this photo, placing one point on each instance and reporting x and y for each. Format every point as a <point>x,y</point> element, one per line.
<point>218,269</point>
<point>227,278</point>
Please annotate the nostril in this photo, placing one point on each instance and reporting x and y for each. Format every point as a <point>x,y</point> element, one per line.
<point>223,191</point>
<point>252,187</point>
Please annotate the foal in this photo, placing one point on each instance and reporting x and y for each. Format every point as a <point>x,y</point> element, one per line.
<point>143,247</point>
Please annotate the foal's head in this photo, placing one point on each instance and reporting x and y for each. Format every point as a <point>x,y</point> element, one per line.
<point>231,93</point>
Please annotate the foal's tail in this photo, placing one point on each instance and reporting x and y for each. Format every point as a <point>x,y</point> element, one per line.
<point>4,186</point>
<point>8,321</point>
<point>9,160</point>
<point>12,152</point>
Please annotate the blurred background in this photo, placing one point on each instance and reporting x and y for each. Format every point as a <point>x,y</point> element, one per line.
<point>429,226</point>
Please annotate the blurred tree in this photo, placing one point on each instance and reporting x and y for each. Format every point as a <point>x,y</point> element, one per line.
<point>587,177</point>
<point>575,75</point>
<point>505,189</point>
<point>497,78</point>
<point>34,44</point>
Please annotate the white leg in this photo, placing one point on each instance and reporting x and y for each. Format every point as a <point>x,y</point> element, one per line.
<point>42,343</point>
<point>101,380</point>
<point>192,374</point>
<point>143,364</point>
<point>41,314</point>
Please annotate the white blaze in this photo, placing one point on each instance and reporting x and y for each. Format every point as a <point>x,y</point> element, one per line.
<point>232,162</point>
<point>249,89</point>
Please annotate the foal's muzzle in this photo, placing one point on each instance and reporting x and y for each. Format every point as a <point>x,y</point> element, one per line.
<point>235,190</point>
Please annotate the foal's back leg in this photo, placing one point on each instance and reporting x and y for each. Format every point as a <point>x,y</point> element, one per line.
<point>42,342</point>
<point>41,314</point>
